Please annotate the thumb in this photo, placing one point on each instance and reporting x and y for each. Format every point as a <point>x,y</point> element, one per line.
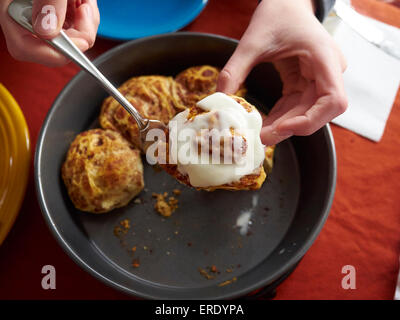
<point>269,136</point>
<point>48,17</point>
<point>236,69</point>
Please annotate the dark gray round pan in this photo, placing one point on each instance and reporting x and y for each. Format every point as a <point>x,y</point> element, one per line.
<point>288,211</point>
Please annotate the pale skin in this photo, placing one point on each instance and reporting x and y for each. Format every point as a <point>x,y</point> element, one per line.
<point>284,32</point>
<point>79,19</point>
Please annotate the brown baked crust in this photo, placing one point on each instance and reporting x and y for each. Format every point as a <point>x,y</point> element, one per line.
<point>269,159</point>
<point>248,182</point>
<point>150,95</point>
<point>102,171</point>
<point>194,84</point>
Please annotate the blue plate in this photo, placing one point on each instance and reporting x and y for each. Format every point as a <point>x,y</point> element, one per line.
<point>131,19</point>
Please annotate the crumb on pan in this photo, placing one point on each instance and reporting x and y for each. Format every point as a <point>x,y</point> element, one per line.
<point>117,231</point>
<point>136,263</point>
<point>163,206</point>
<point>126,224</point>
<point>205,274</point>
<point>176,192</point>
<point>122,228</point>
<point>225,283</point>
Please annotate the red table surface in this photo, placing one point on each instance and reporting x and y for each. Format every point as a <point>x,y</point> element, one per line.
<point>363,228</point>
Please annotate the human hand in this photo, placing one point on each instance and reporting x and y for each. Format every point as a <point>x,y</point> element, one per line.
<point>286,33</point>
<point>78,18</point>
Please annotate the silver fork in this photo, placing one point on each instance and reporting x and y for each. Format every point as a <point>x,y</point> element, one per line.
<point>21,12</point>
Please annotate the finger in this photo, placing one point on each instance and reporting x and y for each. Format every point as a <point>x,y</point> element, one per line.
<point>41,52</point>
<point>48,17</point>
<point>287,107</point>
<point>326,71</point>
<point>292,105</point>
<point>292,79</point>
<point>85,24</point>
<point>326,67</point>
<point>38,51</point>
<point>236,69</point>
<point>324,110</point>
<point>24,46</point>
<point>95,8</point>
<point>283,105</point>
<point>269,136</point>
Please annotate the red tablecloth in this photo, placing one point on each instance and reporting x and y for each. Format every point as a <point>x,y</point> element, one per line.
<point>363,228</point>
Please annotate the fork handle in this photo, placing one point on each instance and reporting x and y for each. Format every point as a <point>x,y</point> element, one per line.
<point>65,46</point>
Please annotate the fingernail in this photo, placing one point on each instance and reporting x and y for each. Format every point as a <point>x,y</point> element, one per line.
<point>89,12</point>
<point>225,82</point>
<point>46,24</point>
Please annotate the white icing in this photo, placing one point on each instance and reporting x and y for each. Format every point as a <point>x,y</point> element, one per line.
<point>223,113</point>
<point>243,221</point>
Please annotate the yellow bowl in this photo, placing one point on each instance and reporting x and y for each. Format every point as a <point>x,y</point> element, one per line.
<point>14,160</point>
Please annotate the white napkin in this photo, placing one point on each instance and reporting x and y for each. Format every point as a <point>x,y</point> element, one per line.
<point>371,79</point>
